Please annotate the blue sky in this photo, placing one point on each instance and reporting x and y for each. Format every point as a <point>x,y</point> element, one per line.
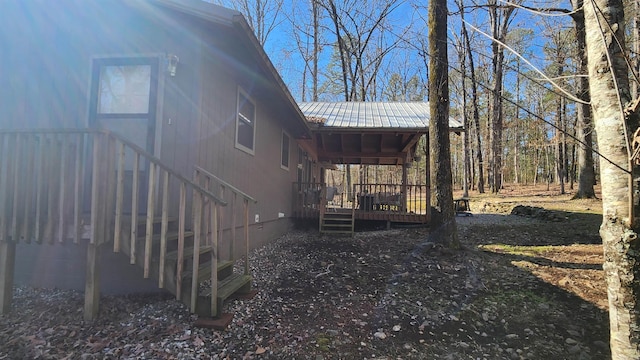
<point>282,50</point>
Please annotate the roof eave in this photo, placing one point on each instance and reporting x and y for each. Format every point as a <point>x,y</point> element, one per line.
<point>232,18</point>
<point>241,23</point>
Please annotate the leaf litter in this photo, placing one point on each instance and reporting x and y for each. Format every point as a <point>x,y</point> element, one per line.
<point>383,294</point>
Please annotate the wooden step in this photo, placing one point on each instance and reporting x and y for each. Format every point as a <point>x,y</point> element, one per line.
<point>188,252</point>
<point>235,283</point>
<point>346,232</point>
<point>337,225</point>
<point>231,285</point>
<point>204,270</point>
<point>338,217</point>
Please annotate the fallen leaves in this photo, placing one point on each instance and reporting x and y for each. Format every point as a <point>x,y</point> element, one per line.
<point>324,297</point>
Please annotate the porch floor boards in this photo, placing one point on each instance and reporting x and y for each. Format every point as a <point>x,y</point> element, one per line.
<point>375,215</point>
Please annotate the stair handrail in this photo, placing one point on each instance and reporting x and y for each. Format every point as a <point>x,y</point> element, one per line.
<point>130,144</point>
<point>246,200</point>
<point>107,156</point>
<point>210,178</point>
<point>165,167</point>
<point>226,184</point>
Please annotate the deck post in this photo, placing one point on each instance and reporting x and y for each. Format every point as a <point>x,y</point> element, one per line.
<point>92,282</point>
<point>7,266</point>
<point>403,188</point>
<point>427,169</point>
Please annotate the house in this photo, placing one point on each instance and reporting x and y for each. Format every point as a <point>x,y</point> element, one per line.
<point>158,128</point>
<point>151,144</point>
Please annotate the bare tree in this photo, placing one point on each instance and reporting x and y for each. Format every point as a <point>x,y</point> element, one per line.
<point>307,37</point>
<point>439,145</point>
<point>609,85</point>
<point>474,98</point>
<point>586,171</point>
<point>361,43</point>
<point>499,18</point>
<point>262,15</point>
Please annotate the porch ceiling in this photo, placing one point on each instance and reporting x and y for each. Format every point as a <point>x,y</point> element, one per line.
<point>370,133</point>
<point>367,148</point>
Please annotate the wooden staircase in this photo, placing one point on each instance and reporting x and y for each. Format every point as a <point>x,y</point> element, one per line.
<point>335,221</point>
<point>228,282</point>
<point>88,185</point>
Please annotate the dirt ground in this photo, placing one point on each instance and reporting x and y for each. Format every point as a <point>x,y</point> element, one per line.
<point>525,286</point>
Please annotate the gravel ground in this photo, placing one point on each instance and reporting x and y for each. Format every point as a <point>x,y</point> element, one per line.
<point>389,294</point>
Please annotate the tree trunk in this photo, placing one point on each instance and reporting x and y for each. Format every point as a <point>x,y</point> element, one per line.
<point>316,47</point>
<point>609,85</point>
<point>474,101</point>
<point>465,121</point>
<point>516,133</point>
<point>586,171</point>
<point>560,155</point>
<point>444,222</point>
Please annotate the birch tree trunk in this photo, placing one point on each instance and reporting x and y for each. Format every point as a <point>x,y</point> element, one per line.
<point>609,85</point>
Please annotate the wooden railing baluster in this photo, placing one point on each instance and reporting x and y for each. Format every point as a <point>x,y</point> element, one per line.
<point>41,166</point>
<point>134,208</point>
<point>214,258</point>
<point>63,188</point>
<point>119,198</point>
<point>110,187</point>
<point>219,222</point>
<point>4,186</point>
<point>197,228</point>
<point>28,196</point>
<point>232,250</point>
<point>52,161</point>
<point>163,227</point>
<point>150,214</point>
<point>181,228</point>
<point>95,192</point>
<point>78,189</point>
<point>246,237</point>
<point>17,182</point>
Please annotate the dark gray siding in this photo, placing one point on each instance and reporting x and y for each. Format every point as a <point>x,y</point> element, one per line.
<point>45,72</point>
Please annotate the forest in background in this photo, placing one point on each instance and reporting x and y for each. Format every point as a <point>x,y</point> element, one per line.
<point>519,96</point>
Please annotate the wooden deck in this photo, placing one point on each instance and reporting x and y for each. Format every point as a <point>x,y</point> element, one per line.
<point>377,202</point>
<point>310,213</point>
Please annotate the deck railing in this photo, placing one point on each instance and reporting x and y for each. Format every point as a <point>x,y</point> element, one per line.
<point>395,198</point>
<point>225,191</point>
<point>57,184</point>
<point>311,198</point>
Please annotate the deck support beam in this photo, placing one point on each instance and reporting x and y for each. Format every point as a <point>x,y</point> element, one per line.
<point>427,169</point>
<point>7,266</point>
<point>92,283</point>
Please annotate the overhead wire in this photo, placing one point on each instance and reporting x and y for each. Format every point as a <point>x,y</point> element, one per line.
<point>422,52</point>
<point>568,94</point>
<point>544,12</point>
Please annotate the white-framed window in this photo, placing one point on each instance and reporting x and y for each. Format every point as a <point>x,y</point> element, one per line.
<point>245,123</point>
<point>284,158</point>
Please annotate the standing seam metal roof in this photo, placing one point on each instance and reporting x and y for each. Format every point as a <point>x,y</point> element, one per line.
<point>373,115</point>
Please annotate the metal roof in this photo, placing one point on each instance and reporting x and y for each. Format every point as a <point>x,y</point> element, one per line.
<point>370,115</point>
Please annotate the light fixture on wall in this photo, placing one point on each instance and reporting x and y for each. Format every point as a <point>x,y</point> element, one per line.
<point>172,64</point>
